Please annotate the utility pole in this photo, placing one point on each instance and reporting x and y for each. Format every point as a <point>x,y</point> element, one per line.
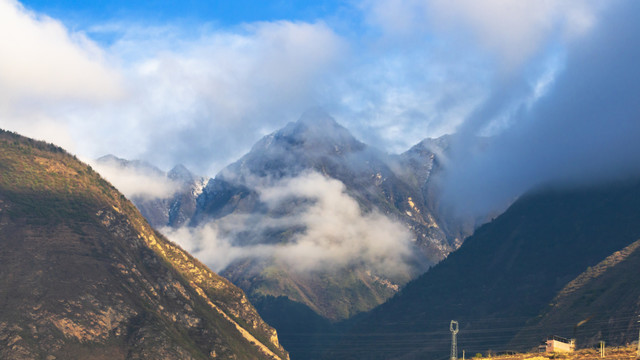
<point>638,354</point>
<point>453,327</point>
<point>601,349</point>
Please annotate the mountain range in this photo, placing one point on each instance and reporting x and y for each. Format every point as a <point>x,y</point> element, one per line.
<point>560,260</point>
<point>380,208</point>
<point>394,187</point>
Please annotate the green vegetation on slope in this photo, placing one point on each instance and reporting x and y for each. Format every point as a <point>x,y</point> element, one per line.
<point>81,272</point>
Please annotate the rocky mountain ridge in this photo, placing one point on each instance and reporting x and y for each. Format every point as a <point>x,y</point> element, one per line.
<point>399,188</point>
<point>396,186</point>
<point>82,274</point>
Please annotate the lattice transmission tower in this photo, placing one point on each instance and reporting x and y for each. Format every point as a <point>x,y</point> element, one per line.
<point>453,327</point>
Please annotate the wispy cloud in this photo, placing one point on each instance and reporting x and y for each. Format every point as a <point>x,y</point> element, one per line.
<point>212,99</point>
<point>136,182</point>
<point>327,231</point>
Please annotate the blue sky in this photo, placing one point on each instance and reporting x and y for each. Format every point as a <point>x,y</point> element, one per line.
<point>198,82</point>
<point>188,14</point>
<point>222,12</point>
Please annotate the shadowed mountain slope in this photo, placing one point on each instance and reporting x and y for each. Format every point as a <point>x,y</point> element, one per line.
<point>601,304</point>
<point>83,275</point>
<point>505,274</point>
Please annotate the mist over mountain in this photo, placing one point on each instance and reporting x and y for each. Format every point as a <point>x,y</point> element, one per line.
<point>164,199</point>
<point>580,127</point>
<point>313,214</point>
<point>315,223</point>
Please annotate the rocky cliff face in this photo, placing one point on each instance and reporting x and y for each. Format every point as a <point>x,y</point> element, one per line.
<point>83,275</point>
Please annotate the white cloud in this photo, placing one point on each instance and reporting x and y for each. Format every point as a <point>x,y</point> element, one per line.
<point>334,234</point>
<point>200,96</point>
<point>41,60</point>
<point>46,73</point>
<point>513,30</point>
<point>406,95</point>
<point>208,97</point>
<point>136,181</point>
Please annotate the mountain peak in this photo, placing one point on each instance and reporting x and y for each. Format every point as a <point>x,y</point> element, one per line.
<point>434,145</point>
<point>136,165</point>
<point>316,128</point>
<point>109,157</point>
<point>304,144</point>
<point>181,173</point>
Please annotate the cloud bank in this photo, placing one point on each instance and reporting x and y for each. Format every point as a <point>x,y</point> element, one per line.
<point>583,130</point>
<point>327,231</point>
